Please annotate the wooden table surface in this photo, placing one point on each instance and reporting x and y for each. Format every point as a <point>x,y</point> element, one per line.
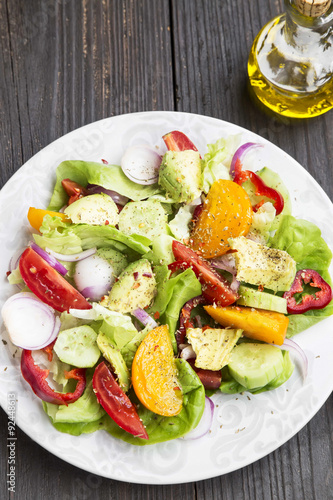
<point>67,63</point>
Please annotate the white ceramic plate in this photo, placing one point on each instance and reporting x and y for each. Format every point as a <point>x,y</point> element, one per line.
<point>245,428</point>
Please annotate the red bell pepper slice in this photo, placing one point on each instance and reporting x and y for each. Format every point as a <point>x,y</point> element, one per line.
<point>317,301</point>
<point>185,317</point>
<point>74,190</point>
<point>215,288</point>
<point>261,188</point>
<point>178,141</point>
<point>36,377</point>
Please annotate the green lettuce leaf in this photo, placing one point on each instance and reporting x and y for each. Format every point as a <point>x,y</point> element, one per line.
<point>86,409</point>
<point>108,176</point>
<point>172,294</point>
<point>67,238</point>
<point>217,160</point>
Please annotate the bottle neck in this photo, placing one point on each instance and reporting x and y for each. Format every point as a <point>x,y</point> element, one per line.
<point>296,21</point>
<point>303,33</point>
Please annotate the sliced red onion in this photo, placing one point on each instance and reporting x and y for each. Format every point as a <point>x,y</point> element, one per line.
<point>30,323</point>
<point>141,164</point>
<point>50,259</point>
<point>205,423</point>
<point>117,198</point>
<point>144,318</point>
<point>235,284</point>
<point>14,261</point>
<point>94,277</point>
<point>74,257</point>
<point>226,262</point>
<point>240,153</point>
<point>196,202</point>
<point>187,352</point>
<point>291,346</point>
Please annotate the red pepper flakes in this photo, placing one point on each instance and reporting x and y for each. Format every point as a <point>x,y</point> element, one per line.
<point>106,223</point>
<point>157,315</point>
<point>105,162</point>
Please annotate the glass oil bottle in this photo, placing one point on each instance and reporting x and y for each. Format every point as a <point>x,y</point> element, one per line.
<point>291,61</point>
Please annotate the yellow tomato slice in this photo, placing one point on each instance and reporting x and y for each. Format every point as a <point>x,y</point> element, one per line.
<point>227,213</point>
<point>36,216</point>
<point>154,374</point>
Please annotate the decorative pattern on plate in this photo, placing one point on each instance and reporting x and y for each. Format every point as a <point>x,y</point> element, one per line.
<point>245,427</point>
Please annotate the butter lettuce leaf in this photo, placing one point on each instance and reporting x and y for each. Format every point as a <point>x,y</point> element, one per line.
<point>217,160</point>
<point>172,294</point>
<point>67,238</point>
<point>108,176</point>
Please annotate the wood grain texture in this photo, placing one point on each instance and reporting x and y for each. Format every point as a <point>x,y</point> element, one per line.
<point>65,63</point>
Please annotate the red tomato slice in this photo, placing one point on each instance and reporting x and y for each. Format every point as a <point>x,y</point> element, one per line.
<point>74,190</point>
<point>177,141</point>
<point>215,288</point>
<point>48,285</point>
<point>115,402</point>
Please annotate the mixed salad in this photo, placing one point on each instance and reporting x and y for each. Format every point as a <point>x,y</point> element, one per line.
<point>150,285</point>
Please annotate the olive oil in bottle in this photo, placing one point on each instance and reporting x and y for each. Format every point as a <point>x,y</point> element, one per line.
<point>291,61</point>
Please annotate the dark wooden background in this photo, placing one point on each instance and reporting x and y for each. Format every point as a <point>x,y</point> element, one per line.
<point>66,63</point>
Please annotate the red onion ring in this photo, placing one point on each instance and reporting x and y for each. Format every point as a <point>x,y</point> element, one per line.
<point>240,153</point>
<point>15,259</point>
<point>226,262</point>
<point>144,318</point>
<point>205,423</point>
<point>291,346</point>
<point>50,259</point>
<point>74,257</point>
<point>31,324</point>
<point>141,164</point>
<point>187,352</point>
<point>95,292</point>
<point>119,199</point>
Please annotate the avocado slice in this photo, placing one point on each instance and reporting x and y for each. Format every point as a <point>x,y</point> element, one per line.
<point>94,209</point>
<point>113,355</point>
<point>135,288</point>
<point>117,260</point>
<point>212,346</point>
<point>147,218</point>
<point>181,175</point>
<point>261,265</point>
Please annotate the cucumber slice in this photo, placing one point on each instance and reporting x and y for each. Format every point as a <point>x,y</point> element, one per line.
<point>255,365</point>
<point>77,346</point>
<point>261,300</point>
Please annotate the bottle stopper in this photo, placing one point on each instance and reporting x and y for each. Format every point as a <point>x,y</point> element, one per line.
<point>312,8</point>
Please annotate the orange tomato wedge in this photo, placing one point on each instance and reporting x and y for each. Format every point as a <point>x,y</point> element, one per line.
<point>227,213</point>
<point>154,374</point>
<point>258,324</point>
<point>36,216</point>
